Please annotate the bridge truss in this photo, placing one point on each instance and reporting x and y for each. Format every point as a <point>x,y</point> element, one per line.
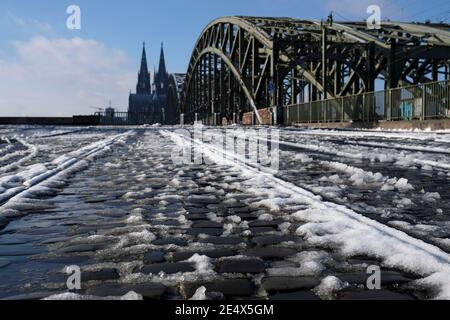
<point>242,64</point>
<point>174,90</point>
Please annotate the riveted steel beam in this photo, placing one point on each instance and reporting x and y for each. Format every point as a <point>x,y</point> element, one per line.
<point>263,62</point>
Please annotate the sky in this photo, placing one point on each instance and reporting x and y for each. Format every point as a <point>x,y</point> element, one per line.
<point>48,70</point>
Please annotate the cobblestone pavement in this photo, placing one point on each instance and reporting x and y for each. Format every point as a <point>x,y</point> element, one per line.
<point>133,220</point>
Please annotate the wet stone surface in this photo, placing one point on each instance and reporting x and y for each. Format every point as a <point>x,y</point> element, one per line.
<point>3,222</point>
<point>375,295</point>
<point>242,266</point>
<point>277,284</point>
<point>168,268</point>
<point>180,256</point>
<point>102,275</point>
<point>135,221</point>
<point>148,291</point>
<point>229,288</point>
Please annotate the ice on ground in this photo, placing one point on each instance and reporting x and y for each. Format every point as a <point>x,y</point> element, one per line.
<point>143,237</point>
<point>136,217</point>
<point>203,265</point>
<point>285,272</point>
<point>246,233</point>
<point>411,157</point>
<point>271,204</point>
<point>303,158</point>
<point>14,188</point>
<point>200,295</point>
<point>333,179</point>
<point>360,177</point>
<point>403,186</point>
<point>404,203</point>
<point>284,227</point>
<point>136,194</point>
<point>357,175</point>
<point>31,153</point>
<point>265,217</point>
<point>130,296</point>
<point>438,281</point>
<point>305,268</point>
<point>336,226</point>
<point>328,287</point>
<point>235,219</point>
<point>213,217</point>
<point>182,219</point>
<point>311,257</point>
<point>431,197</point>
<point>228,229</point>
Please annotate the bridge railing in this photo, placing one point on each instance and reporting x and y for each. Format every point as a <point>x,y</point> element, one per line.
<point>417,102</point>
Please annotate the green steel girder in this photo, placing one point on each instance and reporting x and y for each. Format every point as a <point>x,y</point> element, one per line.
<point>242,64</point>
<point>173,93</point>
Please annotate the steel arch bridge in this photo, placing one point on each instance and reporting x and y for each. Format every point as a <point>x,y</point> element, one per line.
<point>242,64</point>
<point>174,91</point>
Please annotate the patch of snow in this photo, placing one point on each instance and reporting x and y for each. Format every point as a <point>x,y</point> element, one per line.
<point>130,296</point>
<point>404,203</point>
<point>337,226</point>
<point>235,219</point>
<point>202,263</point>
<point>213,217</point>
<point>266,217</point>
<point>328,287</point>
<point>200,295</point>
<point>431,197</point>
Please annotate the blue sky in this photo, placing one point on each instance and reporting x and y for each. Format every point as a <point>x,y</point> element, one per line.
<point>35,43</point>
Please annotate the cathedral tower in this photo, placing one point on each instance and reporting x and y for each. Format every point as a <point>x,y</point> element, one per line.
<point>161,77</point>
<point>144,85</point>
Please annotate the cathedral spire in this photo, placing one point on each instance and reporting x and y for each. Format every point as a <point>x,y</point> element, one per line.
<point>143,85</point>
<point>162,61</point>
<point>144,67</point>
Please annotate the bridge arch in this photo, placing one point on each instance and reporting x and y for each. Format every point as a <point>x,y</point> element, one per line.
<point>243,64</point>
<point>173,94</point>
<point>218,79</point>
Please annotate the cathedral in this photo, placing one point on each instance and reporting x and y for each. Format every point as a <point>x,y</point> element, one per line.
<point>149,101</point>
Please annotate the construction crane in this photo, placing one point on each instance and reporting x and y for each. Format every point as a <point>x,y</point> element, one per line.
<point>96,108</point>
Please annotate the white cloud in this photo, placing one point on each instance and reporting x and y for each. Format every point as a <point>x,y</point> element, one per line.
<point>57,77</point>
<point>30,24</point>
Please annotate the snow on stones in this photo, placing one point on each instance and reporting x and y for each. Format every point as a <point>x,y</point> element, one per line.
<point>14,188</point>
<point>351,233</point>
